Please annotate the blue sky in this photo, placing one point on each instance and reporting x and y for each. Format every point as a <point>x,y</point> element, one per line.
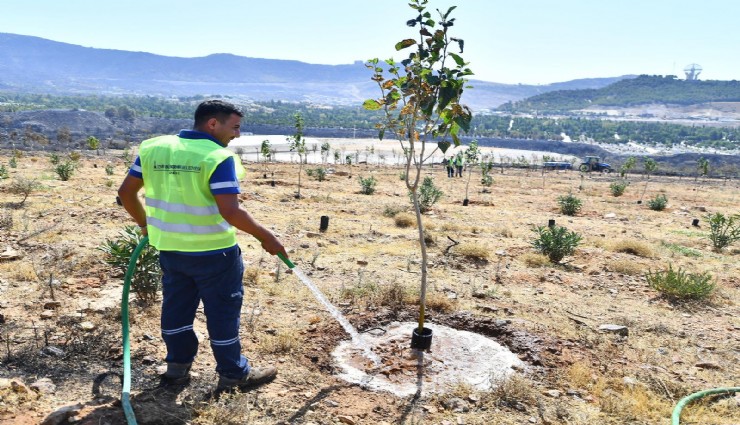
<point>514,41</point>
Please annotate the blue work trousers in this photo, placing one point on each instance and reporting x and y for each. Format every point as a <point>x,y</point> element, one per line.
<point>216,279</point>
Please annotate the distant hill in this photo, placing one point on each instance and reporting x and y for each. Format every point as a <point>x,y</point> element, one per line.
<point>643,90</point>
<point>36,65</point>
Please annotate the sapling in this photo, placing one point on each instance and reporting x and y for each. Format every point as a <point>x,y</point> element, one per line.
<point>420,98</point>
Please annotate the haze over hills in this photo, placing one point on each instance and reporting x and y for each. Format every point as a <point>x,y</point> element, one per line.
<point>37,65</point>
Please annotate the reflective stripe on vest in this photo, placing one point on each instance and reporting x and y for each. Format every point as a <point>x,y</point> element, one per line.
<point>182,214</point>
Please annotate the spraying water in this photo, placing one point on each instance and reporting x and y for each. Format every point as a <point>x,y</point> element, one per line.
<point>356,339</point>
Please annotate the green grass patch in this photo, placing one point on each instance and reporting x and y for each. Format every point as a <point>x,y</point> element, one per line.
<point>683,250</point>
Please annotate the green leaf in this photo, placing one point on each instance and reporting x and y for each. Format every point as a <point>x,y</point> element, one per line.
<point>458,60</point>
<point>449,11</point>
<point>405,43</point>
<point>371,105</point>
<point>443,146</point>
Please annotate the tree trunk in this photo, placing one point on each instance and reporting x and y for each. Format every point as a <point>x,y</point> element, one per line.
<point>420,227</point>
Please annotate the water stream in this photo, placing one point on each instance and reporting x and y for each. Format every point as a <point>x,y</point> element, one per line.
<point>356,339</point>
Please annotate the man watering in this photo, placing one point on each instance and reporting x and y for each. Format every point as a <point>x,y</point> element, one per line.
<point>191,182</point>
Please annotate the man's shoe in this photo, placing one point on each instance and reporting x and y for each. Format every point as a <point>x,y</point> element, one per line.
<point>177,373</point>
<point>257,376</point>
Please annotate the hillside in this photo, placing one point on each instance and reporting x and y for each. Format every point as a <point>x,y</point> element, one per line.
<point>643,90</point>
<point>598,344</point>
<point>36,65</point>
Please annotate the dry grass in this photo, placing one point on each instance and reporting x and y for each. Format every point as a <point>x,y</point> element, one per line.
<point>284,341</point>
<point>633,247</point>
<point>252,275</point>
<point>472,251</point>
<point>404,220</point>
<point>533,259</point>
<point>625,267</point>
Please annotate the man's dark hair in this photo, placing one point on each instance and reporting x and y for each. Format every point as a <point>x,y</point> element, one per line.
<point>214,109</point>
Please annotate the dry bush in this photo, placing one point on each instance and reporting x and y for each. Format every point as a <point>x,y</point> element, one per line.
<point>625,267</point>
<point>438,301</point>
<point>472,251</point>
<point>393,296</point>
<point>429,238</point>
<point>503,230</point>
<point>252,275</point>
<point>533,259</point>
<point>403,219</point>
<point>516,392</point>
<point>450,227</point>
<point>228,409</point>
<point>282,342</point>
<point>631,246</point>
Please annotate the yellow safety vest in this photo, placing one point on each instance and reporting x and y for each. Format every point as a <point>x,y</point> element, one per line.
<point>182,214</point>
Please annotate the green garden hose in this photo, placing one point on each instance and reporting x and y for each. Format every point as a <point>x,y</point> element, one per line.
<point>285,260</point>
<point>126,392</point>
<point>676,416</point>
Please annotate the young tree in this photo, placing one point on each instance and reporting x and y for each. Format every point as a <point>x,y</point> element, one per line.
<point>702,164</point>
<point>628,165</point>
<point>325,148</point>
<point>472,154</point>
<point>298,144</point>
<point>94,144</point>
<point>650,167</point>
<point>420,98</point>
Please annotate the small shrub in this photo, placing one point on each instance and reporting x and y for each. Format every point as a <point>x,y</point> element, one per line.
<point>13,163</point>
<point>473,251</point>
<point>23,186</point>
<point>429,194</point>
<point>282,342</point>
<point>109,169</point>
<point>723,231</point>
<point>54,159</point>
<point>65,170</point>
<point>145,282</point>
<point>555,242</point>
<point>569,204</point>
<point>658,203</point>
<point>317,173</point>
<point>367,185</point>
<point>630,246</point>
<point>393,296</point>
<point>3,172</point>
<point>617,188</point>
<point>439,301</point>
<point>680,285</point>
<point>402,175</point>
<point>392,210</point>
<point>74,156</point>
<point>486,180</point>
<point>429,238</point>
<point>6,219</point>
<point>109,183</point>
<point>404,219</point>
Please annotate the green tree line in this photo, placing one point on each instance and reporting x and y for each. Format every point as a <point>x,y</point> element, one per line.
<point>642,90</point>
<point>282,114</point>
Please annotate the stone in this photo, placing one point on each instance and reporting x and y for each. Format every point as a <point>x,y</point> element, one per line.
<point>10,254</point>
<point>47,314</point>
<point>617,329</point>
<point>552,393</point>
<point>52,305</point>
<point>346,420</point>
<point>610,215</point>
<point>53,351</point>
<point>44,386</point>
<point>456,404</point>
<point>707,365</point>
<point>61,415</point>
<point>362,262</point>
<point>313,235</point>
<point>87,326</point>
<point>331,403</point>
